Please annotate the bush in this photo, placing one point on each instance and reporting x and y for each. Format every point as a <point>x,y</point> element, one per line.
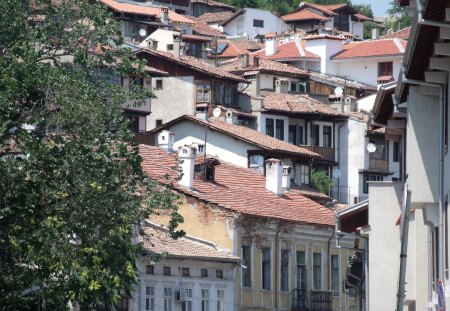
<point>321,181</point>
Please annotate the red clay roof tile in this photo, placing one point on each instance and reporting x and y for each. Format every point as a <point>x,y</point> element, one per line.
<point>372,48</point>
<point>238,189</point>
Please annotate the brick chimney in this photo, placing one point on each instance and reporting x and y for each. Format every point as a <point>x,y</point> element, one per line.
<point>166,140</point>
<point>286,181</point>
<point>271,43</point>
<point>186,156</point>
<point>164,15</point>
<point>274,173</point>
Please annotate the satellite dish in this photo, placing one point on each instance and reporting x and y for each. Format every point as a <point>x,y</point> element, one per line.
<point>371,148</point>
<point>338,91</point>
<point>142,32</point>
<point>216,112</point>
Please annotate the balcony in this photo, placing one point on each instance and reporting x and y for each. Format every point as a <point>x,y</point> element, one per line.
<point>144,138</point>
<point>311,300</point>
<point>326,152</point>
<point>379,165</point>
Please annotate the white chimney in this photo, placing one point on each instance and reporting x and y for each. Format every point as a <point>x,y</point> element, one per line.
<point>281,86</point>
<point>165,15</point>
<point>230,117</point>
<point>186,156</point>
<point>176,46</point>
<point>274,173</point>
<point>166,140</point>
<point>286,181</point>
<point>271,43</point>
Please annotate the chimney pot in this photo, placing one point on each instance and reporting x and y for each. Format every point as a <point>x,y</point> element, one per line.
<point>271,43</point>
<point>274,173</point>
<point>166,140</point>
<point>186,156</point>
<point>165,15</point>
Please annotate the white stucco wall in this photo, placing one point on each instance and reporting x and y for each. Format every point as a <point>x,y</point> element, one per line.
<point>365,70</point>
<point>422,145</point>
<point>352,158</point>
<point>366,103</point>
<point>164,37</point>
<point>325,48</point>
<point>272,23</point>
<point>225,147</point>
<point>167,104</point>
<point>357,28</point>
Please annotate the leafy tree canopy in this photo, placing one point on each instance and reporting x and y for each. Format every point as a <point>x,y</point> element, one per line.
<point>72,191</point>
<point>321,182</point>
<point>400,17</point>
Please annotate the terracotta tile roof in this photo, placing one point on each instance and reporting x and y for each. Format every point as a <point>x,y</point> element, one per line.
<point>401,34</point>
<point>231,50</point>
<point>372,48</point>
<point>246,134</point>
<point>237,112</point>
<point>214,18</point>
<point>265,65</point>
<point>196,38</point>
<point>384,79</point>
<point>291,50</point>
<point>232,17</point>
<point>361,17</point>
<point>195,64</point>
<point>157,240</point>
<point>155,72</point>
<point>302,104</point>
<point>303,15</point>
<point>238,189</point>
<point>217,4</point>
<point>338,81</point>
<point>201,28</point>
<point>249,45</point>
<point>125,7</point>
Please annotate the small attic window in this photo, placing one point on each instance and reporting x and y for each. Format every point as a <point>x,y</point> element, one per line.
<point>163,137</point>
<point>184,151</point>
<point>210,169</point>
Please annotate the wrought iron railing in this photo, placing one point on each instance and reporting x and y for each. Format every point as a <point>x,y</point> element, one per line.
<point>311,300</point>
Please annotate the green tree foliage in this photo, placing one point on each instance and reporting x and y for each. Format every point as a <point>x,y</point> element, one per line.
<point>321,182</point>
<point>366,10</point>
<point>72,201</point>
<point>400,17</point>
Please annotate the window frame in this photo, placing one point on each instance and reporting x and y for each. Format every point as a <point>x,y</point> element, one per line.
<point>149,303</point>
<point>258,23</point>
<point>317,271</point>
<point>315,135</point>
<point>284,270</point>
<point>203,91</point>
<point>279,129</point>
<point>302,276</point>
<point>327,136</point>
<point>265,269</point>
<point>385,68</point>
<point>205,299</point>
<point>246,273</point>
<point>167,271</point>
<point>370,177</point>
<point>270,127</point>
<point>168,298</point>
<point>334,274</point>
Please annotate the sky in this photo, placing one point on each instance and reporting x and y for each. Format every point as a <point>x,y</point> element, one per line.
<point>379,7</point>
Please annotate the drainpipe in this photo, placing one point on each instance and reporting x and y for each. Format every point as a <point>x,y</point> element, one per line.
<point>339,161</point>
<point>441,162</point>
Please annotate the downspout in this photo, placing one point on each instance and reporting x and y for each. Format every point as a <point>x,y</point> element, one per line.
<point>441,162</point>
<point>339,162</point>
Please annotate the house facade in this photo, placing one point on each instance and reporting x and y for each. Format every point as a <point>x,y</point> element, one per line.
<point>416,110</point>
<point>249,23</point>
<point>193,274</point>
<point>288,253</point>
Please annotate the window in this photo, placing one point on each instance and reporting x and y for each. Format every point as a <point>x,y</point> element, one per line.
<point>317,271</point>
<point>292,138</point>
<point>168,298</point>
<point>203,91</point>
<point>301,270</point>
<point>149,269</point>
<point>220,300</point>
<point>187,305</point>
<point>327,137</point>
<point>159,122</point>
<point>279,131</point>
<point>367,178</point>
<point>265,267</point>
<point>204,273</point>
<point>225,94</point>
<point>170,47</point>
<point>247,269</point>
<point>301,139</point>
<point>259,23</point>
<point>284,271</point>
<point>219,274</point>
<point>149,298</point>
<point>269,127</point>
<point>304,174</point>
<point>335,274</point>
<point>134,123</point>
<point>185,272</point>
<point>205,299</point>
<point>385,69</point>
<point>395,152</point>
<point>315,135</point>
<point>166,270</point>
<point>159,84</point>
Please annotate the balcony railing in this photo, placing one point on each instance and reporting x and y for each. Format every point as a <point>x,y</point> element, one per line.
<point>326,152</point>
<point>311,300</point>
<point>379,165</point>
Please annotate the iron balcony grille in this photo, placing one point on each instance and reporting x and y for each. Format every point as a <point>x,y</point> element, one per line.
<point>311,300</point>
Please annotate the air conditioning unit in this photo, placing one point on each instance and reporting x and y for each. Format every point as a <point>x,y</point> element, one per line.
<point>180,295</point>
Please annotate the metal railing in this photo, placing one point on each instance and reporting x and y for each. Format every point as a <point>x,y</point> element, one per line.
<point>311,300</point>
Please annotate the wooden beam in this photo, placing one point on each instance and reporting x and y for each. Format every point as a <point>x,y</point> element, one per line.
<point>429,90</point>
<point>442,49</point>
<point>436,76</point>
<point>444,33</point>
<point>447,15</point>
<point>440,63</point>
